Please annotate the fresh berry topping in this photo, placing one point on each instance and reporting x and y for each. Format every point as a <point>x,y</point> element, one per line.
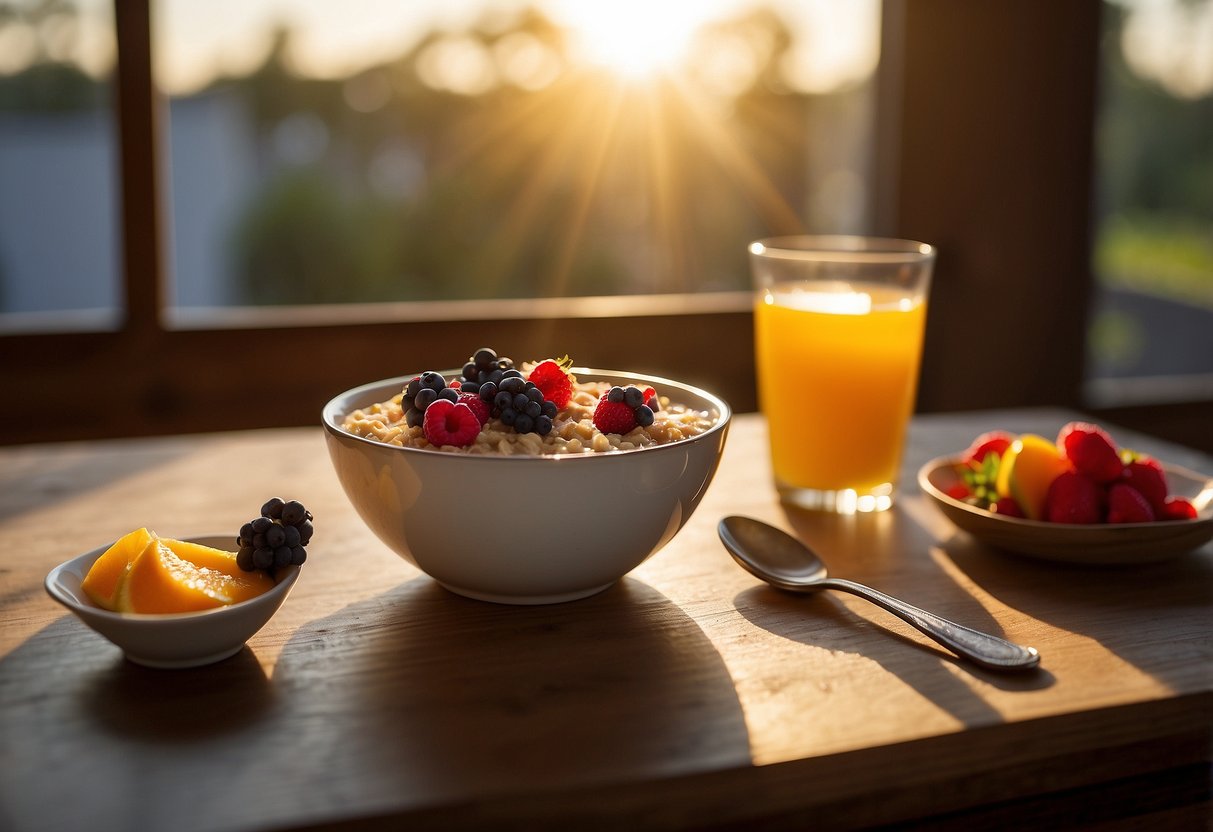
<point>1177,508</point>
<point>618,410</point>
<point>421,392</point>
<point>1091,451</point>
<point>1007,507</point>
<point>477,405</point>
<point>449,423</point>
<point>553,378</point>
<point>613,417</point>
<point>1147,476</point>
<point>992,442</point>
<point>276,538</point>
<point>519,404</point>
<point>1073,498</point>
<point>1127,505</point>
<point>482,367</point>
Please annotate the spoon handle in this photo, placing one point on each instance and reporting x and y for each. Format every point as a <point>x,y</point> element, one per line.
<point>984,649</point>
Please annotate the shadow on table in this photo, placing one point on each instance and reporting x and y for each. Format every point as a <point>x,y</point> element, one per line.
<point>891,552</point>
<point>452,697</point>
<point>822,621</point>
<point>87,682</point>
<point>1133,611</point>
<point>32,482</point>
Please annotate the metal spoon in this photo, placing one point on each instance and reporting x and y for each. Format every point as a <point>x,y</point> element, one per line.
<point>783,561</point>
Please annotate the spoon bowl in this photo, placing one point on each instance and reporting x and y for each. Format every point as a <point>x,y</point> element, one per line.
<point>774,556</point>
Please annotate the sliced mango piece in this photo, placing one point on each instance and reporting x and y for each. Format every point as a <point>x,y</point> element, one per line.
<point>175,576</point>
<point>1027,470</point>
<point>106,575</point>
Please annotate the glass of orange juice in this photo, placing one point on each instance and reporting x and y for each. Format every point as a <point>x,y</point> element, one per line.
<point>838,328</point>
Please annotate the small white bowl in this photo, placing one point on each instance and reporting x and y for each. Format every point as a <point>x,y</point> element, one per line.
<point>176,640</point>
<point>526,529</point>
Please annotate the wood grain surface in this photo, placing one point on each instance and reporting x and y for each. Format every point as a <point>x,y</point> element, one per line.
<point>688,695</point>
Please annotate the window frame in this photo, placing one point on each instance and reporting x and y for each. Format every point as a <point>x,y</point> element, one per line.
<point>952,78</point>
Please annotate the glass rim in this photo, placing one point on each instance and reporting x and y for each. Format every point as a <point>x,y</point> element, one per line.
<point>843,248</point>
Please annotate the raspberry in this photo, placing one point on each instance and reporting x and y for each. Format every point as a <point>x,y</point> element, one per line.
<point>993,442</point>
<point>1146,475</point>
<point>478,406</point>
<point>1091,451</point>
<point>450,423</point>
<point>1177,508</point>
<point>1127,505</point>
<point>621,409</point>
<point>553,378</point>
<point>1073,498</point>
<point>1007,507</point>
<point>613,417</point>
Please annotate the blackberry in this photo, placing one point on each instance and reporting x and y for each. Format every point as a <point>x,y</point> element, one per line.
<point>421,392</point>
<point>484,367</point>
<point>519,404</point>
<point>276,538</point>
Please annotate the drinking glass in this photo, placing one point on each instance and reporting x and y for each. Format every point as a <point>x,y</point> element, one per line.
<point>838,325</point>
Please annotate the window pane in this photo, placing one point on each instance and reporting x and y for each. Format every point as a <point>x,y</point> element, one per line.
<point>57,162</point>
<point>1154,240</point>
<point>445,150</point>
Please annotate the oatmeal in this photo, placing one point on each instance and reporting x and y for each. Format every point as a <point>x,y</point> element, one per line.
<point>572,429</point>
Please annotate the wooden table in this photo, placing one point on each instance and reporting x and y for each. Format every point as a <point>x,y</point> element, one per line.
<point>688,695</point>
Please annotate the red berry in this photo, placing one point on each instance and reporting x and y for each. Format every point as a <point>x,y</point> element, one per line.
<point>1146,475</point>
<point>1073,498</point>
<point>1091,451</point>
<point>552,378</point>
<point>448,423</point>
<point>1177,508</point>
<point>1007,507</point>
<point>1127,505</point>
<point>613,417</point>
<point>478,406</point>
<point>649,395</point>
<point>991,442</point>
<point>958,491</point>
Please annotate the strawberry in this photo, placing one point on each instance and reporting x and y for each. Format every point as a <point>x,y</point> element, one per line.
<point>1127,505</point>
<point>1007,507</point>
<point>1177,508</point>
<point>554,379</point>
<point>1091,451</point>
<point>991,442</point>
<point>958,491</point>
<point>614,417</point>
<point>1073,498</point>
<point>478,406</point>
<point>450,423</point>
<point>1146,475</point>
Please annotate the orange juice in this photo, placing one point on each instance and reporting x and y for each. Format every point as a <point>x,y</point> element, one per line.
<point>837,371</point>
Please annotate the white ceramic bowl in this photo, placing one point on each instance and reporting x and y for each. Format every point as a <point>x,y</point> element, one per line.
<point>188,639</point>
<point>526,529</point>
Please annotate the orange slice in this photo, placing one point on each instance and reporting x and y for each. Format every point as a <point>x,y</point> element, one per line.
<point>175,576</point>
<point>1027,470</point>
<point>106,575</point>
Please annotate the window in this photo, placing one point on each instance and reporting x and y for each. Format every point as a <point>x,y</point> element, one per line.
<point>1152,331</point>
<point>59,258</point>
<point>430,151</point>
<point>973,133</point>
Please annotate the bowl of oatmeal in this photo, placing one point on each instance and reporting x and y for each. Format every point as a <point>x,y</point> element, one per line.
<point>530,513</point>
